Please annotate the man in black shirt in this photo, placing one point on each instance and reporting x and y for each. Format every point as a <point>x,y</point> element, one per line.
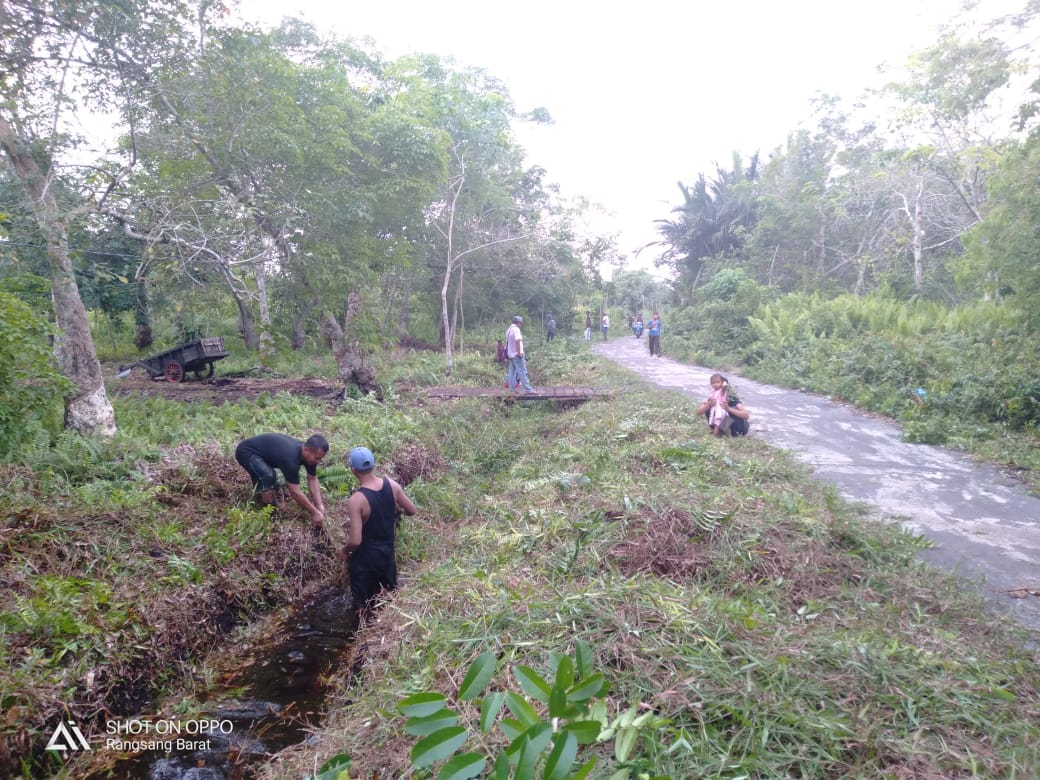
<point>262,454</point>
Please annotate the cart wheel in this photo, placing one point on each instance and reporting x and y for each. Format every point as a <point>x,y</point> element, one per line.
<point>174,372</point>
<point>203,373</point>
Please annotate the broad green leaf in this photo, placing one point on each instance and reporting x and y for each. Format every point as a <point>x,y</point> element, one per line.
<point>478,676</point>
<point>489,709</point>
<point>539,737</point>
<point>420,727</point>
<point>500,771</point>
<point>532,683</point>
<point>438,746</point>
<point>624,742</point>
<point>564,674</point>
<point>565,750</point>
<point>588,688</point>
<point>554,661</point>
<point>521,710</point>
<point>585,731</point>
<point>583,658</point>
<point>628,717</point>
<point>335,768</point>
<point>558,706</point>
<point>422,704</point>
<point>526,760</point>
<point>583,772</point>
<point>463,767</point>
<point>512,728</point>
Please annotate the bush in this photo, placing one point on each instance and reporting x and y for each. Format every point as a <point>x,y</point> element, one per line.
<point>30,385</point>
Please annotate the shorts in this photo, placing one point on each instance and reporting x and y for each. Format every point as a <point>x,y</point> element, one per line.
<point>259,471</point>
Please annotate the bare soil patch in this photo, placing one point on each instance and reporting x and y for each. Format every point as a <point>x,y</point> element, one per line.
<point>220,389</point>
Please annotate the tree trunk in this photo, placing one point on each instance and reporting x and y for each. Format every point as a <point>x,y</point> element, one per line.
<point>299,330</point>
<point>350,358</point>
<point>456,311</point>
<point>266,342</point>
<point>449,362</point>
<point>918,244</point>
<point>404,313</point>
<point>246,323</point>
<point>87,408</point>
<point>142,316</point>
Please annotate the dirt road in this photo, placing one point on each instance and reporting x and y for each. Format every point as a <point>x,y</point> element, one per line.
<point>982,523</point>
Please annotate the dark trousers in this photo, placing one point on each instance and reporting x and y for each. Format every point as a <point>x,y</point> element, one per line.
<point>655,344</point>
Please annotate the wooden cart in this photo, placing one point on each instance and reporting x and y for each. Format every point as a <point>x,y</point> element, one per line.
<point>196,356</point>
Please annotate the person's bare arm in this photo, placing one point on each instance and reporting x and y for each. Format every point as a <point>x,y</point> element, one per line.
<point>317,515</point>
<point>356,506</point>
<point>314,488</point>
<point>738,411</point>
<point>404,503</point>
<point>703,407</point>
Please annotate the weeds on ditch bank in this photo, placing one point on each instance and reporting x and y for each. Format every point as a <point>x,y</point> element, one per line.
<point>777,632</point>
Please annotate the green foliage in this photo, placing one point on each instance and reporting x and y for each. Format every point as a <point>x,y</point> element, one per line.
<point>545,729</point>
<point>963,375</point>
<point>336,768</point>
<point>716,326</point>
<point>30,385</point>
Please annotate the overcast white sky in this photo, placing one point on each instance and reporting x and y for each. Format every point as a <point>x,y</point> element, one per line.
<point>645,94</point>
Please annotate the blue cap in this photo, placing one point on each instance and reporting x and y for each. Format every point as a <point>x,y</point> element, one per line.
<point>362,459</point>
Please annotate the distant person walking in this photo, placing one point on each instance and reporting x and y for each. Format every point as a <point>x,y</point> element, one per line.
<point>517,361</point>
<point>550,329</point>
<point>654,335</point>
<point>372,512</point>
<point>588,326</point>
<point>604,325</point>
<point>261,455</point>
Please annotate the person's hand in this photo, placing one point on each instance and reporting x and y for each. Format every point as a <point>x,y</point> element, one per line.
<point>318,517</point>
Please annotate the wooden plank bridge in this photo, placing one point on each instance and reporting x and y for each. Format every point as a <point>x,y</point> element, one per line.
<point>574,395</point>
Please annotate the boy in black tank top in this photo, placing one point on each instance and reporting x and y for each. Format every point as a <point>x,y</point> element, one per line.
<point>372,512</point>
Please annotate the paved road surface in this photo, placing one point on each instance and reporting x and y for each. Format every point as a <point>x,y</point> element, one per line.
<point>981,522</point>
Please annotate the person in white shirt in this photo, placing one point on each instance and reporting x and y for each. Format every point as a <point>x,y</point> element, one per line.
<point>517,375</point>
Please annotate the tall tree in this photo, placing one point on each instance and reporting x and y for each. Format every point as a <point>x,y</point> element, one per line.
<point>62,59</point>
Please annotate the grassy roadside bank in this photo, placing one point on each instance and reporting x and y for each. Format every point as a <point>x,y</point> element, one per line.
<point>719,587</point>
<point>964,377</point>
<point>771,631</point>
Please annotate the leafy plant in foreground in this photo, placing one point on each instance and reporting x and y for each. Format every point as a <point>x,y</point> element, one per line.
<point>545,729</point>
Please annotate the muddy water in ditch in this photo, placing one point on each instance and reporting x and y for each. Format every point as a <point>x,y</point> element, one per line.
<point>268,703</point>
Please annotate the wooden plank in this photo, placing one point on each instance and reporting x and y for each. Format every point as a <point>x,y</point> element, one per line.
<point>539,394</point>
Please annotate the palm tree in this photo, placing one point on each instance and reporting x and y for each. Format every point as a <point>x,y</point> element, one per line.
<point>712,220</point>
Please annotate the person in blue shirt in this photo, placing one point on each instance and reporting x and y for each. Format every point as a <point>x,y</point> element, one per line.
<point>654,335</point>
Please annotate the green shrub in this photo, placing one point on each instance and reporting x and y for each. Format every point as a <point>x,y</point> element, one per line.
<point>30,385</point>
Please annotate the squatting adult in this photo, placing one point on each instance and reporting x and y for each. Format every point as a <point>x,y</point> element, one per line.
<point>261,455</point>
